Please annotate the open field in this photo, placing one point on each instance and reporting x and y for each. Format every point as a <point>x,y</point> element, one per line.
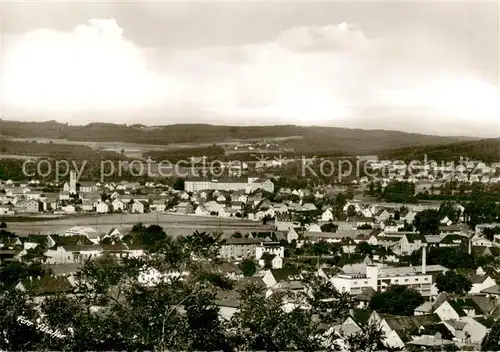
<point>20,157</point>
<point>174,224</point>
<point>134,150</point>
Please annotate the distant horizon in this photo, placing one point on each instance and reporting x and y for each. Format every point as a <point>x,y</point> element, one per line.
<point>471,137</point>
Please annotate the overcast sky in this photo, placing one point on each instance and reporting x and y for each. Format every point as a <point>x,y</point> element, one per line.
<point>429,67</point>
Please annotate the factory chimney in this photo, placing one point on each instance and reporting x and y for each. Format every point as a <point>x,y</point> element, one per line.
<point>424,257</point>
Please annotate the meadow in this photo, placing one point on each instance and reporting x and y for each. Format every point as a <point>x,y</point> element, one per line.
<point>174,224</point>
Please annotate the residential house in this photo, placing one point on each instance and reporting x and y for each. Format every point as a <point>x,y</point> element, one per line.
<point>158,204</point>
<point>118,205</point>
<point>348,245</point>
<point>456,309</point>
<point>410,243</point>
<point>184,208</point>
<point>201,211</point>
<point>382,215</point>
<point>46,286</point>
<point>87,205</point>
<point>407,215</point>
<point>237,205</point>
<point>492,292</point>
<point>278,277</point>
<point>50,201</point>
<point>451,230</point>
<point>93,197</point>
<point>225,212</point>
<point>69,209</point>
<point>480,282</point>
<point>102,208</point>
<point>292,235</point>
<point>276,261</point>
<point>116,249</point>
<point>29,206</point>
<point>468,330</point>
<point>221,199</point>
<point>398,330</point>
<point>327,215</point>
<point>16,192</point>
<point>359,221</point>
<point>269,247</point>
<point>314,228</point>
<point>7,209</point>
<point>87,187</point>
<point>140,207</point>
<point>452,241</point>
<point>113,233</point>
<point>228,303</point>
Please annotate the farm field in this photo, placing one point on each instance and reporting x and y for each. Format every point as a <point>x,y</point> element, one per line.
<point>174,224</point>
<point>136,149</point>
<point>19,157</point>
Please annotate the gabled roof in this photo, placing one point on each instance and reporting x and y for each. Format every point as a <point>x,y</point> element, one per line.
<point>40,239</point>
<point>255,280</point>
<point>456,324</point>
<point>365,295</point>
<point>48,285</point>
<point>485,304</point>
<point>477,279</point>
<point>415,237</point>
<point>70,240</point>
<point>285,274</point>
<point>362,316</point>
<point>493,290</point>
<point>460,305</point>
<point>227,299</point>
<point>453,238</point>
<point>450,228</point>
<point>440,299</point>
<point>425,307</point>
<point>243,241</point>
<point>403,325</point>
<point>381,211</point>
<point>227,267</point>
<point>486,322</point>
<point>115,247</point>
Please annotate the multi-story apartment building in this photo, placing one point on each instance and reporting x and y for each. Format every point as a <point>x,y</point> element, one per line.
<point>419,278</point>
<point>229,184</point>
<point>240,248</point>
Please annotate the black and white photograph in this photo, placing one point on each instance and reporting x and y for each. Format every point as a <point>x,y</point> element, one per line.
<point>247,175</point>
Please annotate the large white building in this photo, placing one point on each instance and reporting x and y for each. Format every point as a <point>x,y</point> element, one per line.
<point>226,184</point>
<point>380,278</point>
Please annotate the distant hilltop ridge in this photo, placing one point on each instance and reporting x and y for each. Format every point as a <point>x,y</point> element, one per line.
<point>331,139</point>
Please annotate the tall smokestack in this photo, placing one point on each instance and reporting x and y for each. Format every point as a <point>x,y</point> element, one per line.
<point>424,257</point>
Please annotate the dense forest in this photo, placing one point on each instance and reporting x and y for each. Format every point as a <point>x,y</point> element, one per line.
<point>486,150</point>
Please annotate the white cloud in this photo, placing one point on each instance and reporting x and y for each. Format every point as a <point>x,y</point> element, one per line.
<point>305,75</point>
<point>93,66</point>
<point>341,37</point>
